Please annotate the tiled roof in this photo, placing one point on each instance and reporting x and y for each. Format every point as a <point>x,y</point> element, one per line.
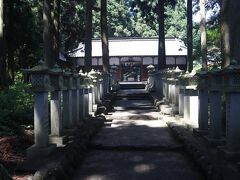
<point>134,47</point>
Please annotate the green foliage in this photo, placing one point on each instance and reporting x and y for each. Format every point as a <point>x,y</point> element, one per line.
<point>72,23</point>
<point>119,19</point>
<point>176,21</point>
<point>16,107</point>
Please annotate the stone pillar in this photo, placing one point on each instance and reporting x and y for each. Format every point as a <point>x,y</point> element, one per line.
<point>215,78</point>
<point>193,104</point>
<point>233,123</point>
<point>101,90</point>
<point>75,106</point>
<point>41,87</point>
<point>181,100</point>
<point>167,91</point>
<point>56,113</point>
<point>215,114</point>
<point>90,100</point>
<point>56,76</point>
<point>203,101</point>
<point>67,100</point>
<point>75,98</point>
<point>81,104</point>
<point>86,102</point>
<point>176,73</point>
<point>232,86</point>
<point>164,88</point>
<point>78,97</point>
<point>186,103</point>
<point>41,119</point>
<point>203,110</point>
<point>98,99</point>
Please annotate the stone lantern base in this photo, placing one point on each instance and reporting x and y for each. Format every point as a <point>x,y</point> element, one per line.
<point>60,141</point>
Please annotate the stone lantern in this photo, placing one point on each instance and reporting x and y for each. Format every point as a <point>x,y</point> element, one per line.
<point>232,89</point>
<point>215,87</point>
<point>81,96</point>
<point>75,96</point>
<point>85,81</point>
<point>150,86</point>
<point>113,78</point>
<point>202,87</point>
<point>56,76</point>
<point>67,99</point>
<point>41,85</point>
<point>176,90</point>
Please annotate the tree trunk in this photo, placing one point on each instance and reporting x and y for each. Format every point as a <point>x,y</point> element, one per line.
<point>48,54</point>
<point>161,36</point>
<point>2,57</point>
<point>225,35</point>
<point>104,36</point>
<point>230,17</point>
<point>10,42</point>
<point>189,36</point>
<point>56,22</point>
<point>88,36</point>
<point>203,33</point>
<point>234,18</point>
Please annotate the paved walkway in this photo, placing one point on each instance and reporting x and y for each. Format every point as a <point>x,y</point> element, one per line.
<point>136,145</point>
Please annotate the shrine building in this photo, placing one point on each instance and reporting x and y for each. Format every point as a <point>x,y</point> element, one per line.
<point>131,56</point>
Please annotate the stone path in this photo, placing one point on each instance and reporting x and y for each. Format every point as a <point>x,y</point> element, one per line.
<point>136,145</point>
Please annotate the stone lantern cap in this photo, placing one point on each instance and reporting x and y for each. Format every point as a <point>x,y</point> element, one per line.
<point>40,68</point>
<point>67,79</point>
<point>151,68</point>
<point>74,79</point>
<point>56,70</point>
<point>95,76</point>
<point>188,79</point>
<point>40,77</point>
<point>67,72</point>
<point>203,79</point>
<point>232,77</point>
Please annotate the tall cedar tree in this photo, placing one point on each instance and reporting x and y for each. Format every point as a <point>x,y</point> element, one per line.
<point>56,29</point>
<point>202,4</point>
<point>88,36</point>
<point>104,36</point>
<point>2,58</point>
<point>189,35</point>
<point>48,51</point>
<point>161,35</point>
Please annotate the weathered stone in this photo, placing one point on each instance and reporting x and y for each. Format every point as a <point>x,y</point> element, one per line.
<point>67,109</point>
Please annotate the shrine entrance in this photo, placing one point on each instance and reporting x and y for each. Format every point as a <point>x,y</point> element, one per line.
<point>131,70</point>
